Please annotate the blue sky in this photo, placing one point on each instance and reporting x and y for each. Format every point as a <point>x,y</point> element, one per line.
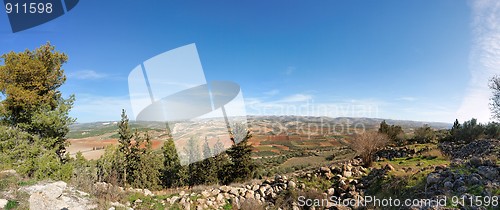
<point>413,60</point>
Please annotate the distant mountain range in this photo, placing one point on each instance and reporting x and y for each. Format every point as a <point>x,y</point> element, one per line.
<point>82,130</point>
<point>353,120</point>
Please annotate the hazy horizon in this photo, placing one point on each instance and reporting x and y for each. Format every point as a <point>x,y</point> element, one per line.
<point>405,60</point>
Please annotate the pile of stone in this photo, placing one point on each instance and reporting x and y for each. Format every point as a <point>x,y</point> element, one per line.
<point>390,153</point>
<point>216,197</point>
<point>106,187</point>
<point>478,148</point>
<point>461,178</point>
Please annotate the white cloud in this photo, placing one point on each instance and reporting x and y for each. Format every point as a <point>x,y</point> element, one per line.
<point>295,98</point>
<point>86,75</point>
<point>484,60</point>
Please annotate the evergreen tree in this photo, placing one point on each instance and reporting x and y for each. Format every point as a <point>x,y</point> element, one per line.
<point>110,165</point>
<point>469,131</point>
<point>124,143</point>
<point>218,147</point>
<point>492,130</point>
<point>194,168</point>
<point>31,80</point>
<point>394,132</point>
<point>209,171</point>
<point>146,173</point>
<point>456,128</point>
<point>174,174</point>
<point>241,166</point>
<point>424,134</point>
<point>35,110</point>
<point>220,161</point>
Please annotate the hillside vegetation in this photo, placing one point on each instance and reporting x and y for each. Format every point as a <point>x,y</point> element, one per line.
<point>277,164</point>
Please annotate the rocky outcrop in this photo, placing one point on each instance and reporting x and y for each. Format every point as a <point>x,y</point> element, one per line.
<point>478,148</point>
<point>390,153</point>
<point>263,192</point>
<point>462,179</point>
<point>57,195</point>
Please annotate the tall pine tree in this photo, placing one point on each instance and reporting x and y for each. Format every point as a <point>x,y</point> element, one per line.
<point>241,166</point>
<point>209,174</point>
<point>124,143</point>
<point>174,174</point>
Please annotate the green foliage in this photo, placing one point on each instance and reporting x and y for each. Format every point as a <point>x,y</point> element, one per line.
<point>84,173</point>
<point>147,165</point>
<point>241,165</point>
<point>220,160</point>
<point>173,174</point>
<point>11,204</point>
<point>49,166</point>
<point>208,165</point>
<point>110,165</point>
<point>195,170</point>
<point>227,206</point>
<point>132,162</point>
<point>124,144</point>
<point>394,132</point>
<point>34,113</point>
<point>316,183</point>
<point>30,80</point>
<point>52,125</point>
<point>424,134</point>
<point>148,202</point>
<point>492,130</point>
<point>468,131</point>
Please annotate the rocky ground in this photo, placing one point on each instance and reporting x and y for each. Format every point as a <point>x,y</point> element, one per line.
<point>472,173</point>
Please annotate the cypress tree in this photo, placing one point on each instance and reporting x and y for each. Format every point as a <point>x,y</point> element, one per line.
<point>173,172</point>
<point>124,143</point>
<point>209,172</point>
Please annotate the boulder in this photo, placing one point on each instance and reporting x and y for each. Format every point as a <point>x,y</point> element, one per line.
<point>182,193</point>
<point>57,196</point>
<point>205,194</point>
<point>215,192</point>
<point>249,194</point>
<point>291,184</point>
<point>433,178</point>
<point>220,197</point>
<point>147,192</point>
<point>324,170</point>
<point>347,174</point>
<point>234,191</point>
<point>448,185</point>
<point>3,203</point>
<point>225,188</point>
<point>488,172</point>
<point>330,191</point>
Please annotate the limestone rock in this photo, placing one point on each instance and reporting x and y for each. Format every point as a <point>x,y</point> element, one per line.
<point>3,203</point>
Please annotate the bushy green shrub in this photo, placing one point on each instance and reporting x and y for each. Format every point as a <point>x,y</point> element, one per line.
<point>424,134</point>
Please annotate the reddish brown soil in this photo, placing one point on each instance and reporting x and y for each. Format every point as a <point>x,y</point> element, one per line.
<point>92,148</point>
